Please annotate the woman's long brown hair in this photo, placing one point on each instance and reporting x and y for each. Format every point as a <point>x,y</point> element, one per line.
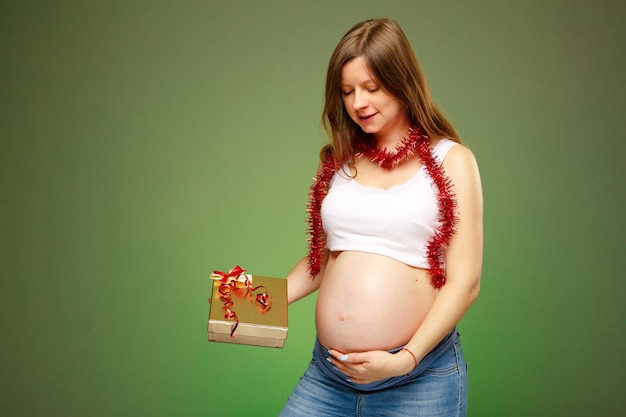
<point>395,67</point>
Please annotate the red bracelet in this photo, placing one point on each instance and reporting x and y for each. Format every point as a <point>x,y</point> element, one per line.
<point>412,355</point>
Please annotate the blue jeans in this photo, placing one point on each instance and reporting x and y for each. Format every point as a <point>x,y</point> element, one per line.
<point>440,390</point>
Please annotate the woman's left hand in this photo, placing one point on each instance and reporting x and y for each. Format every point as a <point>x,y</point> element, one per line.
<point>367,367</point>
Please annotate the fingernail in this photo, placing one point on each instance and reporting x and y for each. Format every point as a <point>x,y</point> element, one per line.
<point>328,359</point>
<point>344,357</point>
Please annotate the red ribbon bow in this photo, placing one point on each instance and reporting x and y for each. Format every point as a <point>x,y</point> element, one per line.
<point>228,285</point>
<point>233,273</point>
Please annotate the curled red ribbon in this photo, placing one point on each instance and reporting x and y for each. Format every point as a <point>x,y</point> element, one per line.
<point>228,286</point>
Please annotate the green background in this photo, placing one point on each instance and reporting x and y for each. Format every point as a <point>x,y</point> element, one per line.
<point>146,143</point>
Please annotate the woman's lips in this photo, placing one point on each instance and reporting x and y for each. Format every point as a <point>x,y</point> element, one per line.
<point>367,117</point>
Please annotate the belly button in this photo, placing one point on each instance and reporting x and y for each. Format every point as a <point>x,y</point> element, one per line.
<point>343,317</point>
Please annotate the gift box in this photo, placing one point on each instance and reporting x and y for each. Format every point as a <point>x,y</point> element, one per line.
<point>248,309</point>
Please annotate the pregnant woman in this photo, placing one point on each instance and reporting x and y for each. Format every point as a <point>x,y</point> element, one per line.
<point>395,217</point>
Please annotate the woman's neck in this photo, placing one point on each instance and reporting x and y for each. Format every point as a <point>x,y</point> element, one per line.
<point>393,136</point>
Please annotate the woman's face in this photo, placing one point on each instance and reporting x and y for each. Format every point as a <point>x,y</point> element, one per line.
<point>369,105</point>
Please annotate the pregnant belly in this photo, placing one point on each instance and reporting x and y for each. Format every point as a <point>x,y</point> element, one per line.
<point>370,302</point>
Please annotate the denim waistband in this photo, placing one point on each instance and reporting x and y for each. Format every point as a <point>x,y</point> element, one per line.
<point>320,353</point>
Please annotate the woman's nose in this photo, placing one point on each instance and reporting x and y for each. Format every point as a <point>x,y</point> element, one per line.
<point>360,100</point>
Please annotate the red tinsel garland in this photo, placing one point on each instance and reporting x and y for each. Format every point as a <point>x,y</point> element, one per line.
<point>317,240</point>
<point>418,143</point>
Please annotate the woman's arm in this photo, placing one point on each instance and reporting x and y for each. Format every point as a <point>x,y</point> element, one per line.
<point>463,257</point>
<point>299,283</point>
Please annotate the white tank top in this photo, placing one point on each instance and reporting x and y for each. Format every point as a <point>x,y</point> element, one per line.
<point>397,222</point>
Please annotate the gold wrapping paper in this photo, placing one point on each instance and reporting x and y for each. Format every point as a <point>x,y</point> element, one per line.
<point>255,328</point>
